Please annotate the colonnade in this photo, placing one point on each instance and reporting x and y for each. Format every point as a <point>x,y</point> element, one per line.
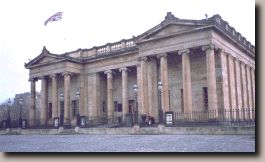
<point>238,85</point>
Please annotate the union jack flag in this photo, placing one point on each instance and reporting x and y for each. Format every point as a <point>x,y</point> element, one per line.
<point>55,17</point>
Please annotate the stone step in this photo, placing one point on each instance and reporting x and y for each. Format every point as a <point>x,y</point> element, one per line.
<point>68,132</point>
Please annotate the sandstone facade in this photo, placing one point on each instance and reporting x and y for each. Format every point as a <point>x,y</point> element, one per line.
<point>202,64</point>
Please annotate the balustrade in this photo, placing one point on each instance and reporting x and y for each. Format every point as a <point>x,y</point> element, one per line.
<point>113,47</point>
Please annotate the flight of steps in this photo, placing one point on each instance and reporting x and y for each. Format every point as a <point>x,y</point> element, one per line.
<point>67,132</point>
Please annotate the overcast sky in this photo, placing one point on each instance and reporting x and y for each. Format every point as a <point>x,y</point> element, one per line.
<point>90,23</point>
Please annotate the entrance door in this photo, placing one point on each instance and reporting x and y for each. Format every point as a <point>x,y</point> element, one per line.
<point>61,112</point>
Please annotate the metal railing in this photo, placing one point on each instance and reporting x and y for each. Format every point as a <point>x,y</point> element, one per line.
<point>228,117</point>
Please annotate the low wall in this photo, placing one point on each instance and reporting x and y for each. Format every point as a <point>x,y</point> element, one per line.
<point>136,130</point>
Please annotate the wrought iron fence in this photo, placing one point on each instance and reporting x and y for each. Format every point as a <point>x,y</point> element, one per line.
<point>224,117</point>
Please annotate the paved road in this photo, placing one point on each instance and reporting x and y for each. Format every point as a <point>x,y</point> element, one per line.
<point>127,143</point>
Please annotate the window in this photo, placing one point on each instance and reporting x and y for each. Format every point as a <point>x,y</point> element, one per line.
<point>182,101</point>
<point>119,107</point>
<point>74,108</point>
<point>50,111</point>
<point>205,98</point>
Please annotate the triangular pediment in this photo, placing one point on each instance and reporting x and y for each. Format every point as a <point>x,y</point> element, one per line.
<point>171,29</point>
<point>44,58</point>
<point>171,25</point>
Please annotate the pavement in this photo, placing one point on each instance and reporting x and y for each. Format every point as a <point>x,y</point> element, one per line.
<point>127,143</point>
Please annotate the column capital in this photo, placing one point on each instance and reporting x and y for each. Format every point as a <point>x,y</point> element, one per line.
<point>32,79</point>
<point>91,74</point>
<point>232,57</point>
<point>83,74</point>
<point>53,76</point>
<point>247,67</point>
<point>138,65</point>
<point>108,72</point>
<point>161,55</point>
<point>187,51</point>
<point>237,60</point>
<point>223,52</point>
<point>220,51</point>
<point>207,47</point>
<point>143,58</point>
<point>123,69</point>
<point>243,64</point>
<point>66,73</point>
<point>42,77</point>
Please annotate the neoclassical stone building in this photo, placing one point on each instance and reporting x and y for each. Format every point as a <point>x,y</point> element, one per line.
<point>202,64</point>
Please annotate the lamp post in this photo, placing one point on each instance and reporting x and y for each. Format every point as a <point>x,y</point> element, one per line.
<point>135,89</point>
<point>20,111</point>
<point>160,111</point>
<point>77,113</point>
<point>8,113</point>
<point>61,108</point>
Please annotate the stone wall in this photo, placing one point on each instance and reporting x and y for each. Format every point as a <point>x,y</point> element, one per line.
<point>198,79</point>
<point>140,131</point>
<point>175,81</point>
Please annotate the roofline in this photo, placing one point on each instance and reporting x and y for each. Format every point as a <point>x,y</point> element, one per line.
<point>215,21</point>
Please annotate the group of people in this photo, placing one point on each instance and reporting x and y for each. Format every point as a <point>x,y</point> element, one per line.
<point>147,119</point>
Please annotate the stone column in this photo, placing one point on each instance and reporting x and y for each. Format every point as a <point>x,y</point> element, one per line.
<point>43,111</point>
<point>187,98</point>
<point>110,104</point>
<point>238,88</point>
<point>164,80</point>
<point>94,96</point>
<point>32,111</point>
<point>138,69</point>
<point>249,89</point>
<point>149,88</point>
<point>244,90</point>
<point>152,87</point>
<point>86,95</point>
<point>54,96</point>
<point>225,86</point>
<point>125,102</point>
<point>81,98</point>
<point>67,118</point>
<point>143,88</point>
<point>252,71</point>
<point>249,92</point>
<point>211,77</point>
<point>232,86</point>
